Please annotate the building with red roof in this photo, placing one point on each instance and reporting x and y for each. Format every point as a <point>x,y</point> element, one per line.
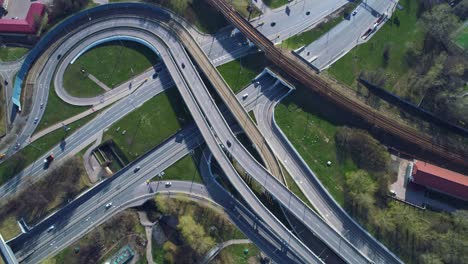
<point>27,25</point>
<point>440,180</point>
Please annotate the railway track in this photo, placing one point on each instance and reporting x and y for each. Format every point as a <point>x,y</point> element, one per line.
<point>229,98</point>
<point>301,72</point>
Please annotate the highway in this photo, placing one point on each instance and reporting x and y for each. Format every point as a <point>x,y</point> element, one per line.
<point>220,48</point>
<point>85,210</point>
<point>308,182</point>
<point>346,35</point>
<point>210,122</point>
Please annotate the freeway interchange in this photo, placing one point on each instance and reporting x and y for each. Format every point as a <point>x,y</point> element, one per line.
<point>174,43</point>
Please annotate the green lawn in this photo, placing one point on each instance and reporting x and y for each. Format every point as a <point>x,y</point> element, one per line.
<point>462,38</point>
<point>275,3</point>
<point>235,254</point>
<point>300,116</point>
<point>310,36</point>
<point>397,38</point>
<point>150,124</point>
<point>33,151</point>
<point>112,63</point>
<point>9,228</point>
<point>12,53</point>
<point>57,110</point>
<point>78,84</point>
<point>185,169</point>
<point>240,72</point>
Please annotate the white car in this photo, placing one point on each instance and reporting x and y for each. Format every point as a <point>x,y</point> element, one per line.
<point>168,184</point>
<point>245,96</point>
<point>52,227</point>
<point>108,205</point>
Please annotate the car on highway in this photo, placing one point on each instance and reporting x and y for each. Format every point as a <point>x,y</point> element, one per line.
<point>52,227</point>
<point>137,168</point>
<point>168,184</point>
<point>36,119</point>
<point>108,205</point>
<point>49,158</point>
<point>228,143</point>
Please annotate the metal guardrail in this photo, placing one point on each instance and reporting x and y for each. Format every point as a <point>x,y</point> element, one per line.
<point>6,253</point>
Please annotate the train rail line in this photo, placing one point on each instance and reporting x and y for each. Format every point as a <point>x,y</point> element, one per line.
<point>229,98</point>
<point>301,72</point>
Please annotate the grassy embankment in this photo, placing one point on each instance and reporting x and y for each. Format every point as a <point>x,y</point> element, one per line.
<point>397,38</point>
<point>275,3</point>
<point>150,124</point>
<point>12,53</point>
<point>111,63</point>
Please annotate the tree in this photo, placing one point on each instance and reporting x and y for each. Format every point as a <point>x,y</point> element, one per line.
<point>63,8</point>
<point>428,4</point>
<point>430,258</point>
<point>439,22</point>
<point>361,189</point>
<point>365,150</point>
<point>461,10</point>
<point>386,55</point>
<point>170,250</point>
<point>194,234</point>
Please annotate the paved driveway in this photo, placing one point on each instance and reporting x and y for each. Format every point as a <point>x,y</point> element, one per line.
<point>17,8</point>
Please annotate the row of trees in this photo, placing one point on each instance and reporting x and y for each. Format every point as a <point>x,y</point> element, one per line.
<point>57,187</point>
<point>438,75</point>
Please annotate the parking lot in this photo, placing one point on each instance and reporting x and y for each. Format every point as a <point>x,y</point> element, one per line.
<point>17,9</point>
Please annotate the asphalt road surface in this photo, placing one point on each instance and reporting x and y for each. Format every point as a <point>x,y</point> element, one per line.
<point>346,35</point>
<point>206,115</point>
